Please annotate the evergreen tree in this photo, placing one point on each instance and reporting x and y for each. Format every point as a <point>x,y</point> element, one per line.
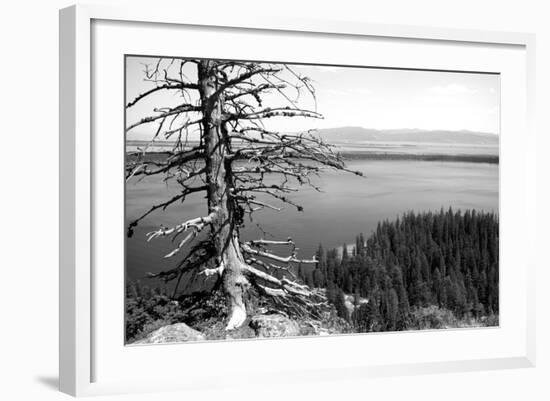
<point>448,259</point>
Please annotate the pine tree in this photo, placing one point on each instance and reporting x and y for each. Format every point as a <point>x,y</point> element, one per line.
<point>445,259</point>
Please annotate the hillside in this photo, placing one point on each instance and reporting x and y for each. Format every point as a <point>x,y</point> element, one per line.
<point>355,136</point>
<point>423,270</point>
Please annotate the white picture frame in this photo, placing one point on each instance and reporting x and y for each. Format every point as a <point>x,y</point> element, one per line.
<point>80,342</point>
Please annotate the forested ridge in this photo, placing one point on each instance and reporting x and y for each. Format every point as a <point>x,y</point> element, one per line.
<point>419,267</point>
<point>422,271</point>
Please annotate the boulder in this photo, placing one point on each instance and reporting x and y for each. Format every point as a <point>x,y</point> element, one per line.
<point>274,326</point>
<point>174,333</point>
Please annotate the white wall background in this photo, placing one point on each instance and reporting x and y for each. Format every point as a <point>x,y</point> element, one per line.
<point>29,215</point>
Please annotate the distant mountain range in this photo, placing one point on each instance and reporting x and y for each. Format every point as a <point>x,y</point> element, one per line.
<point>361,135</point>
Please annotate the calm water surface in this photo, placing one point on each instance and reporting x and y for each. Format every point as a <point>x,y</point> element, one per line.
<point>347,206</point>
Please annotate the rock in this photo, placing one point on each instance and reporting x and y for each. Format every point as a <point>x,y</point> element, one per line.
<point>174,333</point>
<point>330,324</point>
<point>215,330</point>
<point>274,326</point>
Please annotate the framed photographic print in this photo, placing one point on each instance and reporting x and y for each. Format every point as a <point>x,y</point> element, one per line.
<point>342,193</point>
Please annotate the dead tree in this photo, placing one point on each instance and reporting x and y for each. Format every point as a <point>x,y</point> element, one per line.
<point>231,162</point>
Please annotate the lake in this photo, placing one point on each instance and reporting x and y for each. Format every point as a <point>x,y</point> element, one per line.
<point>347,205</point>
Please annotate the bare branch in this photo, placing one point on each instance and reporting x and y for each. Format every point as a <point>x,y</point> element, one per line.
<point>274,112</point>
<point>292,258</point>
<point>216,270</point>
<point>196,224</point>
<point>243,77</point>
<point>184,108</point>
<point>181,196</point>
<point>176,160</point>
<point>168,86</point>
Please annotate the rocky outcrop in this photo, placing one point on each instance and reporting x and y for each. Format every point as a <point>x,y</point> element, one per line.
<point>261,325</point>
<point>274,326</point>
<point>174,333</point>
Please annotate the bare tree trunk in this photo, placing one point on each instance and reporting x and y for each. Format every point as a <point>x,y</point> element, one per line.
<point>219,178</point>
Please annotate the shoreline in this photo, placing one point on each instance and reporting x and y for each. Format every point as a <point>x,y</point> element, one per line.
<point>380,156</point>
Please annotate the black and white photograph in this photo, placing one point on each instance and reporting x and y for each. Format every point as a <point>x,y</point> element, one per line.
<point>298,200</point>
<point>266,199</point>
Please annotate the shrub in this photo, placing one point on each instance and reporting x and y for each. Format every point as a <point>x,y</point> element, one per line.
<point>148,310</point>
<point>432,317</point>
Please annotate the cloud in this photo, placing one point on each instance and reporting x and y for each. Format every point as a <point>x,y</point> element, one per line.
<point>348,91</point>
<point>451,89</point>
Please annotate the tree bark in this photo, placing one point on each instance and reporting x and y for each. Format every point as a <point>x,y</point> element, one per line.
<point>220,182</point>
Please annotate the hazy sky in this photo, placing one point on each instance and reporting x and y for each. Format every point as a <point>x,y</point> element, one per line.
<point>366,97</point>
